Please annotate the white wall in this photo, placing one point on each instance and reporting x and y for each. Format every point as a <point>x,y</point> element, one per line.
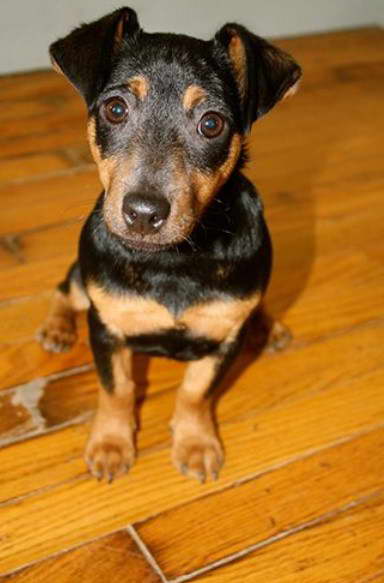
<point>28,26</point>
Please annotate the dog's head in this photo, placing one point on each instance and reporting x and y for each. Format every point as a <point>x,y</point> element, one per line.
<point>167,116</point>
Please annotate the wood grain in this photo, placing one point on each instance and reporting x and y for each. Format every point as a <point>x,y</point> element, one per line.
<point>302,428</point>
<point>326,307</point>
<point>52,200</point>
<point>15,419</point>
<point>112,558</point>
<point>301,372</point>
<point>15,169</point>
<point>34,248</point>
<point>54,475</point>
<point>21,357</point>
<point>348,549</point>
<point>264,508</point>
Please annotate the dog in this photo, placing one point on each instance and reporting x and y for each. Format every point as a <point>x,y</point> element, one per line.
<point>176,255</point>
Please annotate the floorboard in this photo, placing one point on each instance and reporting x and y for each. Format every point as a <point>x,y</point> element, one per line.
<point>301,495</point>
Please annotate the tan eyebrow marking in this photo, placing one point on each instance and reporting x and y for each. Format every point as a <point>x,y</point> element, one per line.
<point>193,96</point>
<point>106,166</point>
<point>139,86</point>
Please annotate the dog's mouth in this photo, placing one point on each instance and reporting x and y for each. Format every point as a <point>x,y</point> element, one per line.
<point>145,245</point>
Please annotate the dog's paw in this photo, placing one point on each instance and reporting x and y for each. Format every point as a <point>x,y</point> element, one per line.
<point>198,455</point>
<point>109,456</point>
<point>58,334</point>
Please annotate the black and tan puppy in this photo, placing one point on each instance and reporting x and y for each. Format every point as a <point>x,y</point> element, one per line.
<point>175,255</point>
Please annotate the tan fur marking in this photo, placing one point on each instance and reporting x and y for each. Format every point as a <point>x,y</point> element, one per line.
<point>78,298</point>
<point>111,172</point>
<point>139,86</point>
<point>207,185</point>
<point>106,166</point>
<point>118,404</point>
<point>119,168</point>
<point>110,449</point>
<point>238,58</point>
<point>219,319</point>
<point>128,315</point>
<point>91,132</point>
<point>193,96</point>
<point>122,372</point>
<point>292,90</point>
<point>61,306</point>
<point>182,216</point>
<point>196,449</point>
<point>198,377</point>
<point>115,407</point>
<point>58,333</point>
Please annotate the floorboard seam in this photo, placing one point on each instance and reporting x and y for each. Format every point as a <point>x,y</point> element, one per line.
<point>17,499</point>
<point>273,468</point>
<point>20,300</point>
<point>146,552</point>
<point>80,169</point>
<point>45,227</point>
<point>42,432</point>
<point>28,396</point>
<point>322,519</point>
<point>60,552</point>
<point>378,576</point>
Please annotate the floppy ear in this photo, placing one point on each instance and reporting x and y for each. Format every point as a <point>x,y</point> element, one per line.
<point>263,73</point>
<point>85,55</point>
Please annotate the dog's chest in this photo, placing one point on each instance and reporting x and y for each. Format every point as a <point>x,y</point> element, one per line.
<point>130,315</point>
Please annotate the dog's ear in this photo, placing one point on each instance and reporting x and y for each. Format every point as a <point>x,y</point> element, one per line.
<point>85,55</point>
<point>263,73</point>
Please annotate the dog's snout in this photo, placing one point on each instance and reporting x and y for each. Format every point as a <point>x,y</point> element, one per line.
<point>145,214</point>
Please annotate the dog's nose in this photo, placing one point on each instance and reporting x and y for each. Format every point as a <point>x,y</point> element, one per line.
<point>145,214</point>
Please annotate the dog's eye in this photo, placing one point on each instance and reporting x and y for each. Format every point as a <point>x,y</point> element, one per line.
<point>115,109</point>
<point>211,125</point>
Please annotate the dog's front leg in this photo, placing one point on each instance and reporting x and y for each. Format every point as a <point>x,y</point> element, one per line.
<point>110,449</point>
<point>196,450</point>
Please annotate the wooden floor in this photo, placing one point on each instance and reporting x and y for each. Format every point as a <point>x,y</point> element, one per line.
<point>301,498</point>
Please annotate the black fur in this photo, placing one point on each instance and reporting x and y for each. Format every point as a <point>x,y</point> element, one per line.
<point>271,72</point>
<point>228,252</point>
<point>173,343</point>
<point>231,236</point>
<point>85,56</point>
<point>74,275</point>
<point>103,345</point>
